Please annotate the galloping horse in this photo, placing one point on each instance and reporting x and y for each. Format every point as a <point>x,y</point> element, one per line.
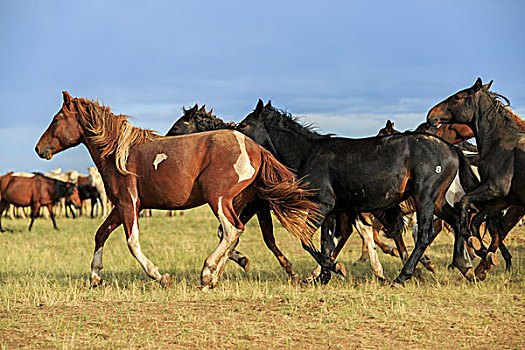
<point>368,175</point>
<point>196,119</point>
<point>500,138</point>
<point>142,170</point>
<point>35,191</point>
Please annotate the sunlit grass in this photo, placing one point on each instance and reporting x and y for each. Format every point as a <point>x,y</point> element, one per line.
<point>44,299</point>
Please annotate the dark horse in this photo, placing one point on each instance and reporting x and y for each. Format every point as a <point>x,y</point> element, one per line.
<point>142,170</point>
<point>35,191</point>
<point>198,120</point>
<point>500,138</point>
<point>368,175</point>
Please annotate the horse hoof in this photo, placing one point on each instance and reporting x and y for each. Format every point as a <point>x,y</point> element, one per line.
<point>473,242</point>
<point>431,267</point>
<point>245,264</point>
<point>451,267</point>
<point>469,274</point>
<point>165,281</point>
<point>340,269</point>
<point>492,258</point>
<point>395,253</point>
<point>397,285</point>
<point>205,289</point>
<point>95,282</point>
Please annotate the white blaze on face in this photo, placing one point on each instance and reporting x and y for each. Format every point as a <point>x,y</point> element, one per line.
<point>159,158</point>
<point>242,166</point>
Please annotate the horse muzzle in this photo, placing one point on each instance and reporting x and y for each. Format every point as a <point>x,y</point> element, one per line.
<point>45,153</point>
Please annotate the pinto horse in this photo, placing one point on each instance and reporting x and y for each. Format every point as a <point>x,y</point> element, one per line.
<point>35,191</point>
<point>197,119</point>
<point>500,136</point>
<point>142,170</point>
<point>367,175</point>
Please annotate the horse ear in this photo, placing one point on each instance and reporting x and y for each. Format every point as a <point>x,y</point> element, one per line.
<point>477,85</point>
<point>67,98</point>
<point>195,107</point>
<point>269,104</point>
<point>389,124</point>
<point>488,85</point>
<point>260,106</point>
<point>211,111</point>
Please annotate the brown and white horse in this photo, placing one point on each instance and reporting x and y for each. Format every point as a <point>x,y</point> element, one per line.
<point>142,170</point>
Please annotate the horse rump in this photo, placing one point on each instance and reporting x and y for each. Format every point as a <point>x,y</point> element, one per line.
<point>288,198</point>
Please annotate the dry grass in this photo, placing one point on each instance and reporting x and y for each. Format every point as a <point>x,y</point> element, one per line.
<point>45,302</point>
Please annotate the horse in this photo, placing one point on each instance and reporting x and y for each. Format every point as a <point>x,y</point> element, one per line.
<point>499,135</point>
<point>35,191</point>
<point>367,175</point>
<point>197,119</point>
<point>95,180</point>
<point>85,192</point>
<point>143,170</point>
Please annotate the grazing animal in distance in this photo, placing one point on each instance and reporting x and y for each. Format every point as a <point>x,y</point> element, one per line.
<point>143,170</point>
<point>35,191</point>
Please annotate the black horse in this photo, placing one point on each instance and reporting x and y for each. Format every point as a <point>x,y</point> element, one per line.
<point>368,175</point>
<point>501,140</point>
<point>198,120</point>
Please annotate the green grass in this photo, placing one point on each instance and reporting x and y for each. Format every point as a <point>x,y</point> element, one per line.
<point>45,300</point>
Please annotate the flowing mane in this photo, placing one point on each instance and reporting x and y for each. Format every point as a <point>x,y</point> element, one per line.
<point>284,120</point>
<point>505,110</point>
<point>113,134</point>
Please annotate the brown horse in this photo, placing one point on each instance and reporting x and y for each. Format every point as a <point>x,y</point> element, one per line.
<point>35,191</point>
<point>142,170</point>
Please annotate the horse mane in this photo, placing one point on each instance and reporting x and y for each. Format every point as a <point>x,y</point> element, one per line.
<point>112,134</point>
<point>284,120</point>
<point>506,111</point>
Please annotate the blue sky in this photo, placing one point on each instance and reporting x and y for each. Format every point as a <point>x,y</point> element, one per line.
<point>347,66</point>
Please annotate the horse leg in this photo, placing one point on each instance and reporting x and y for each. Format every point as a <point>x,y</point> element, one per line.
<point>111,222</point>
<point>50,208</point>
<point>129,212</point>
<point>461,257</point>
<point>385,248</point>
<point>425,237</point>
<point>34,213</point>
<point>265,222</point>
<point>215,263</point>
<point>366,234</point>
<point>364,253</point>
<point>3,206</point>
<point>425,259</point>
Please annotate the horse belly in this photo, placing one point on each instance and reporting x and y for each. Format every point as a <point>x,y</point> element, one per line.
<point>18,194</point>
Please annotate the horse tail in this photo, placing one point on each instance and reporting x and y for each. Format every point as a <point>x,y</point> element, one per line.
<point>287,198</point>
<point>468,179</point>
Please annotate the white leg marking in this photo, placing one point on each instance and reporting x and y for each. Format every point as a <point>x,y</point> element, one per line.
<point>215,263</point>
<point>134,245</point>
<point>96,263</point>
<point>367,234</point>
<point>242,166</point>
<point>159,158</point>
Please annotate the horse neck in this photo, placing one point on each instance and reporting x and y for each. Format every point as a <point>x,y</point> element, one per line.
<point>291,148</point>
<point>491,128</point>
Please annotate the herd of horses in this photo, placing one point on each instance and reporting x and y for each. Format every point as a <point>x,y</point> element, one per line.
<point>270,161</point>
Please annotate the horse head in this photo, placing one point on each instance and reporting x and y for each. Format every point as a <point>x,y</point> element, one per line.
<point>64,131</point>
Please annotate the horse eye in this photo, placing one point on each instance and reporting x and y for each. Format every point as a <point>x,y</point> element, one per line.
<point>458,97</point>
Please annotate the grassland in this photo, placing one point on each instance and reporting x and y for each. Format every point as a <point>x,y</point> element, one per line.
<point>45,301</point>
